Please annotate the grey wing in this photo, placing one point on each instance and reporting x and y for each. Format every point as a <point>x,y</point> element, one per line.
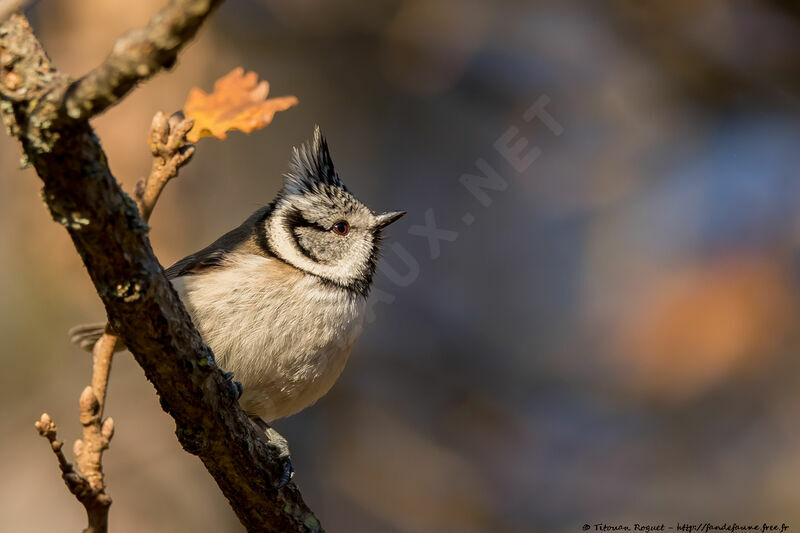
<point>212,256</point>
<point>196,263</point>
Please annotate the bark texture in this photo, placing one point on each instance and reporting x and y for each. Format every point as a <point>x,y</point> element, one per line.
<point>38,106</point>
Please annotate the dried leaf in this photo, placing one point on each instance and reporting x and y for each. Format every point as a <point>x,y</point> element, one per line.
<point>237,103</point>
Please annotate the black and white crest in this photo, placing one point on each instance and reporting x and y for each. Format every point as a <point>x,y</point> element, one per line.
<point>311,166</point>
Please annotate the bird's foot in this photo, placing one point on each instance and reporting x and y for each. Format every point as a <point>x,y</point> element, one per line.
<point>236,386</point>
<point>278,440</point>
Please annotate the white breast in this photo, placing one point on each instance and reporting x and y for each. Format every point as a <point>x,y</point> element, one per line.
<point>285,335</point>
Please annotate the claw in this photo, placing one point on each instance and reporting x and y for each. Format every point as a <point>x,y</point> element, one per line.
<point>278,440</point>
<point>288,473</point>
<point>236,385</point>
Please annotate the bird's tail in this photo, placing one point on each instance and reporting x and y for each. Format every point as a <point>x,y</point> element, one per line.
<point>86,336</point>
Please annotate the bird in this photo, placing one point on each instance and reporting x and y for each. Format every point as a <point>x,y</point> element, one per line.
<point>281,299</point>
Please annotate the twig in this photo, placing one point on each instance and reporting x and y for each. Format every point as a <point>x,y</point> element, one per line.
<point>102,353</point>
<point>136,56</point>
<point>93,497</point>
<point>111,237</point>
<point>171,151</point>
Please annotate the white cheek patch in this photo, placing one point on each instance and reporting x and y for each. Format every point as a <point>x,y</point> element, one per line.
<point>346,269</point>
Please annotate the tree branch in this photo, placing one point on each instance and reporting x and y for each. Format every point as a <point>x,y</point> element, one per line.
<point>142,307</point>
<point>171,151</point>
<point>136,56</point>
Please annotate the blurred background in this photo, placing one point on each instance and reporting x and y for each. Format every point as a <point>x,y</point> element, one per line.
<point>612,339</point>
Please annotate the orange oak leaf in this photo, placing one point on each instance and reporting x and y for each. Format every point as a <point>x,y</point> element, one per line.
<point>237,103</point>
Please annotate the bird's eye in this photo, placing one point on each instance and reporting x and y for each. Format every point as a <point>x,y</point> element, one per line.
<point>341,227</point>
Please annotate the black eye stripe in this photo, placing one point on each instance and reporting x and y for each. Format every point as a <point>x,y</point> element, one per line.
<point>295,219</point>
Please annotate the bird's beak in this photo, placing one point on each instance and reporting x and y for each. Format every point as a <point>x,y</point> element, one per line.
<point>384,219</point>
